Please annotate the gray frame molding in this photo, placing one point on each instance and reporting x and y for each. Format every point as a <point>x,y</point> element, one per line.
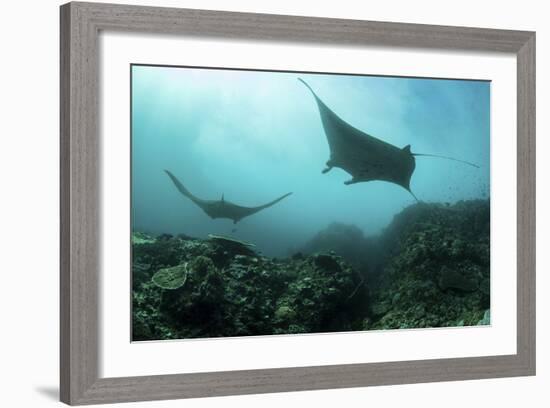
<point>80,155</point>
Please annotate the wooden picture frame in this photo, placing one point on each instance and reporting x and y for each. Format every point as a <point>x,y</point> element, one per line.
<point>81,24</point>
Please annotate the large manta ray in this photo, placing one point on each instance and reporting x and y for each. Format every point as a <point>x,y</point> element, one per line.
<point>365,157</point>
<point>222,208</point>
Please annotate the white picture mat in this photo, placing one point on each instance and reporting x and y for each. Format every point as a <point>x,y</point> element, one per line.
<point>120,357</point>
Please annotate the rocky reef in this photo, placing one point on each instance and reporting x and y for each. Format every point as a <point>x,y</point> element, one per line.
<point>429,268</point>
<point>189,288</point>
<point>437,268</point>
<point>347,241</point>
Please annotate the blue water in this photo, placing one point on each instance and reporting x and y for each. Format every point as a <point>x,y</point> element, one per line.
<point>254,136</point>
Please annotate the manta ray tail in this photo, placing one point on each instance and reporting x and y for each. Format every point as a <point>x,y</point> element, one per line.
<point>445,157</point>
<point>417,200</point>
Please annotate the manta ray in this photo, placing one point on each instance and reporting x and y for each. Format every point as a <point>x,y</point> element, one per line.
<point>222,208</point>
<point>365,157</point>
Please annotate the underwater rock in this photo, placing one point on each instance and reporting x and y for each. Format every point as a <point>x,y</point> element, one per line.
<point>327,262</point>
<point>348,241</point>
<point>141,238</point>
<point>191,248</point>
<point>284,314</point>
<point>165,237</point>
<point>158,253</point>
<point>199,302</point>
<point>380,309</point>
<point>139,268</point>
<point>229,241</point>
<point>451,278</point>
<point>433,265</point>
<point>486,318</point>
<point>221,287</point>
<point>436,272</point>
<point>232,245</point>
<point>485,286</point>
<point>141,272</point>
<point>326,295</point>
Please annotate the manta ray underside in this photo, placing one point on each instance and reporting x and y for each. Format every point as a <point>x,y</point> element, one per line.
<point>222,208</point>
<point>365,157</point>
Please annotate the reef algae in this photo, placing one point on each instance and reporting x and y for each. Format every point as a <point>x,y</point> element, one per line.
<point>429,268</point>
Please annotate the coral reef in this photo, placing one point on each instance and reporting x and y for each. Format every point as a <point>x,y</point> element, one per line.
<point>221,287</point>
<point>429,268</point>
<point>437,270</point>
<point>347,241</point>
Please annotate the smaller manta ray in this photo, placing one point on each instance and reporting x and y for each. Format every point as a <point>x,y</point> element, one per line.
<point>365,157</point>
<point>222,208</point>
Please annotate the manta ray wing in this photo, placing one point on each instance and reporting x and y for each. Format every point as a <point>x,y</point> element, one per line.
<point>181,188</point>
<point>241,211</point>
<point>208,206</point>
<point>364,157</point>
